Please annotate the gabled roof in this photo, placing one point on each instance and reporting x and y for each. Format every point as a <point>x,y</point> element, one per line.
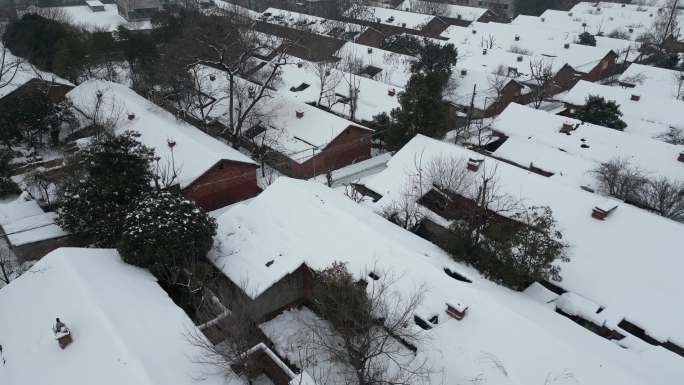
<point>395,67</point>
<point>314,24</point>
<point>194,153</point>
<point>654,81</point>
<point>373,96</point>
<point>389,16</point>
<point>632,277</point>
<point>452,11</point>
<point>537,139</point>
<point>125,328</point>
<point>294,222</point>
<point>534,41</point>
<point>649,108</point>
<point>299,138</point>
<point>108,20</point>
<point>25,73</point>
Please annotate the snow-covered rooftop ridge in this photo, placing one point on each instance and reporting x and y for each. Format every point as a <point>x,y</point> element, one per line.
<point>192,151</point>
<point>231,7</point>
<point>656,81</point>
<point>83,17</point>
<point>294,222</point>
<point>295,128</point>
<point>443,9</point>
<point>315,24</point>
<point>125,328</point>
<point>24,222</point>
<point>634,104</point>
<point>25,73</point>
<point>595,246</point>
<point>395,68</point>
<point>389,16</point>
<point>586,142</point>
<point>533,41</point>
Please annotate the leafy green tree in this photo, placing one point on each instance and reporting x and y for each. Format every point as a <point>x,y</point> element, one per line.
<point>36,38</point>
<point>166,233</point>
<point>524,250</point>
<point>422,110</point>
<point>112,173</point>
<point>598,111</point>
<point>585,38</point>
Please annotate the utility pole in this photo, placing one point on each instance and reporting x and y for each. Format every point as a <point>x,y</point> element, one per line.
<point>472,106</point>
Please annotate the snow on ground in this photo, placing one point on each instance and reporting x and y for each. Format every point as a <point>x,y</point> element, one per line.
<point>191,151</point>
<point>631,271</point>
<point>507,337</point>
<point>125,328</point>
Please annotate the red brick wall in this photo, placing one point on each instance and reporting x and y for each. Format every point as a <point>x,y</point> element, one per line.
<point>225,183</point>
<point>565,79</point>
<point>352,145</point>
<point>435,27</point>
<point>606,67</point>
<point>370,37</point>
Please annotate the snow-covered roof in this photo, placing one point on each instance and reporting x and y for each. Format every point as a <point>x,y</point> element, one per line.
<point>395,67</point>
<point>655,81</point>
<point>24,222</point>
<point>464,79</point>
<point>649,108</point>
<point>194,153</point>
<point>536,139</point>
<point>314,24</point>
<point>94,3</point>
<point>633,277</point>
<point>452,11</point>
<point>298,136</point>
<point>389,16</point>
<point>373,96</point>
<point>25,73</point>
<point>534,41</point>
<point>125,328</point>
<point>294,222</point>
<point>82,16</point>
<point>228,6</point>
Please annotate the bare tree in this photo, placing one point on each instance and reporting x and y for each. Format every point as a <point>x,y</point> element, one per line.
<point>371,334</point>
<point>498,80</point>
<point>233,330</point>
<point>673,136</point>
<point>678,78</point>
<point>10,268</point>
<point>9,65</point>
<point>328,79</point>
<point>666,197</point>
<point>541,75</point>
<point>618,178</point>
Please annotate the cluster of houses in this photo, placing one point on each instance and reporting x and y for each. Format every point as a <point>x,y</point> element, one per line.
<point>615,318</point>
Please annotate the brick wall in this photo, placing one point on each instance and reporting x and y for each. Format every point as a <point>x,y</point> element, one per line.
<point>606,67</point>
<point>225,183</point>
<point>435,27</point>
<point>371,37</point>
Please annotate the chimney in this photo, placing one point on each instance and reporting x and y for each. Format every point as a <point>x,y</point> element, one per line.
<point>635,98</point>
<point>474,164</point>
<point>543,19</point>
<point>391,92</point>
<point>474,32</point>
<point>681,157</point>
<point>212,77</point>
<point>567,128</point>
<point>300,65</point>
<point>622,5</point>
<point>299,113</point>
<point>566,45</point>
<point>171,143</point>
<point>464,72</point>
<point>370,50</point>
<point>517,37</point>
<point>456,310</point>
<point>484,51</point>
<point>631,30</point>
<point>519,58</point>
<point>403,25</point>
<point>603,210</point>
<point>584,25</point>
<point>569,13</point>
<point>131,116</point>
<point>62,334</point>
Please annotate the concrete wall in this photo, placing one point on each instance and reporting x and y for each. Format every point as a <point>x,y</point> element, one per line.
<point>225,183</point>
